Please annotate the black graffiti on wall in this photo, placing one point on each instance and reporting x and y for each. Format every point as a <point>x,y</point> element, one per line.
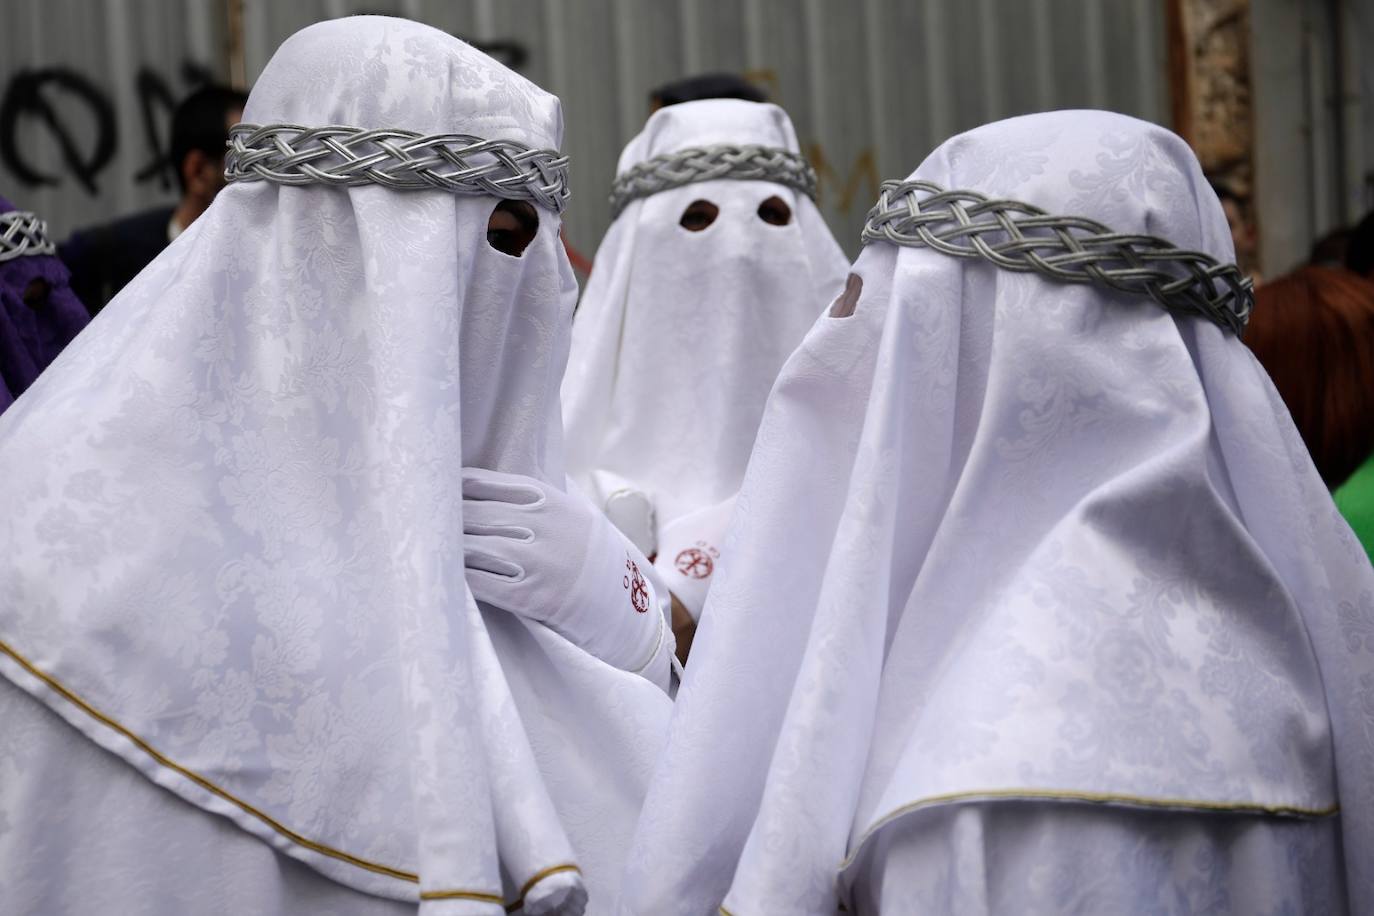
<point>69,106</point>
<point>156,102</point>
<point>30,97</point>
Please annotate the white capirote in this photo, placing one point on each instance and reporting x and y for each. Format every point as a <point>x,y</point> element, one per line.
<point>1008,543</point>
<point>231,552</point>
<point>681,333</point>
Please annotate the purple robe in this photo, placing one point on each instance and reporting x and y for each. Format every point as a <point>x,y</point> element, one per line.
<point>31,335</point>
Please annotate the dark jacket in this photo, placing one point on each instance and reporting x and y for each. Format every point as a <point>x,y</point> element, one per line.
<point>102,259</point>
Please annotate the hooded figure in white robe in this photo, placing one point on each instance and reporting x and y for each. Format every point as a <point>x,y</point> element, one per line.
<point>715,266</point>
<point>247,515</point>
<point>1033,601</point>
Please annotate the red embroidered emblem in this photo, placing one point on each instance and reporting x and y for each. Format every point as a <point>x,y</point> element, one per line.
<point>697,562</point>
<point>637,585</point>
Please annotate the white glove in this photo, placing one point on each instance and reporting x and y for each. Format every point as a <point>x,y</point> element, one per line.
<point>628,508</point>
<point>536,551</point>
<point>631,512</point>
<point>691,549</point>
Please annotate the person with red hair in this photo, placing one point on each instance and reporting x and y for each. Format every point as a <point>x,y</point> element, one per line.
<point>1313,330</point>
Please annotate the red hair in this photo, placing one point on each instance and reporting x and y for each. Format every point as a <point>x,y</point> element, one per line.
<point>1313,331</point>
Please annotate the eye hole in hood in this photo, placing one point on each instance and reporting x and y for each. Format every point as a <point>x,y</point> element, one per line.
<point>698,215</point>
<point>512,226</point>
<point>775,212</point>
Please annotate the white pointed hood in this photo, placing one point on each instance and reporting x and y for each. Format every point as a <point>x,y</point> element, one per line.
<point>1003,537</point>
<point>232,535</point>
<point>680,334</point>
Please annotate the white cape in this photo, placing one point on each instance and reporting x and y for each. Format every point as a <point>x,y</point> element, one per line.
<point>1003,539</point>
<point>231,545</point>
<point>680,334</point>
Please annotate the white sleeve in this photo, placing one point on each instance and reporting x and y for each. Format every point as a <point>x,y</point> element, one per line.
<point>662,668</point>
<point>689,550</point>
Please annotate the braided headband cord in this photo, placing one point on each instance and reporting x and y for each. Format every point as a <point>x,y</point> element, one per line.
<point>402,160</point>
<point>743,163</point>
<point>21,234</point>
<point>1069,249</point>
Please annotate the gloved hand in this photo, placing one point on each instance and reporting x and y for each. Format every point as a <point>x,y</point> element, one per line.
<point>628,508</point>
<point>691,549</point>
<point>631,512</point>
<point>536,551</point>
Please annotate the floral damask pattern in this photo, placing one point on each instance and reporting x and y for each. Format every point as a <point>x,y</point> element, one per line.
<point>1357,622</point>
<point>1080,556</point>
<point>238,564</point>
<point>670,363</point>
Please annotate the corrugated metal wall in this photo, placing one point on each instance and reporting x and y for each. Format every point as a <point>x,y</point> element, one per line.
<point>873,85</point>
<point>86,93</point>
<point>1358,56</point>
<point>1313,81</point>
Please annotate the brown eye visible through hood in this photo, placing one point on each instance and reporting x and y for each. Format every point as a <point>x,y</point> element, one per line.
<point>36,293</point>
<point>775,211</point>
<point>512,227</point>
<point>698,215</point>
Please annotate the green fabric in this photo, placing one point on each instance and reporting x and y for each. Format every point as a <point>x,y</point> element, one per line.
<point>1355,499</point>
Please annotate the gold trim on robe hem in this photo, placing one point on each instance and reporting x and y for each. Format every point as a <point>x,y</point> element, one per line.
<point>479,896</point>
<point>539,876</point>
<point>389,871</point>
<point>1101,798</point>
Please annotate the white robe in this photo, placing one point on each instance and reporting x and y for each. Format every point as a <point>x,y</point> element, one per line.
<point>680,335</point>
<point>232,545</point>
<point>81,831</point>
<point>1010,543</point>
<point>1049,859</point>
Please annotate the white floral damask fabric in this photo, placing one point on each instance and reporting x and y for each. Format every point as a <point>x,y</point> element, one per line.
<point>70,808</point>
<point>233,528</point>
<point>1007,539</point>
<point>680,333</point>
<point>1039,859</point>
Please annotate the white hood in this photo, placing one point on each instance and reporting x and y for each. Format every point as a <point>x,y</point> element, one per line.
<point>232,535</point>
<point>680,334</point>
<point>1003,537</point>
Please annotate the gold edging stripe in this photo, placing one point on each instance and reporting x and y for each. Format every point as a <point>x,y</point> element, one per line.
<point>1101,798</point>
<point>540,876</point>
<point>209,786</point>
<point>725,912</point>
<point>462,895</point>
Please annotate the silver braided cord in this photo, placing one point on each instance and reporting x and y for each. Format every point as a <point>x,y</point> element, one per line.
<point>402,160</point>
<point>1020,237</point>
<point>21,234</point>
<point>743,163</point>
